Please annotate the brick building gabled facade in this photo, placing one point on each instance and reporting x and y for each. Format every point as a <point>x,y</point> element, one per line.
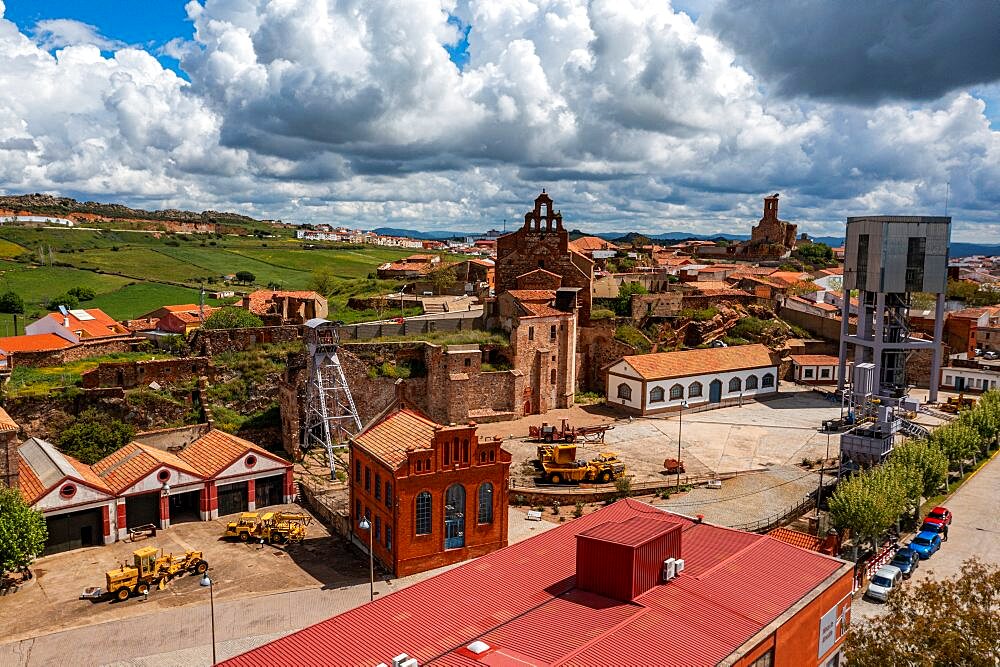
<point>543,243</point>
<point>433,494</point>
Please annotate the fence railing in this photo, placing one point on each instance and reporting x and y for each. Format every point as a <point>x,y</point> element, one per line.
<point>777,518</point>
<point>636,488</point>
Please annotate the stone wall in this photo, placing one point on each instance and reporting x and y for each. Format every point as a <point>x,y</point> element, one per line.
<point>129,374</point>
<point>596,349</point>
<point>473,321</point>
<point>77,352</point>
<point>824,327</point>
<point>209,342</point>
<point>669,304</point>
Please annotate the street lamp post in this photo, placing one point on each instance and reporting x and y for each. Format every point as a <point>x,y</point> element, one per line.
<point>819,492</point>
<point>680,426</point>
<point>206,581</point>
<point>366,525</point>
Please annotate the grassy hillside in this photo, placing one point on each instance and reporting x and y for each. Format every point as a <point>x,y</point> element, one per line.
<point>134,272</point>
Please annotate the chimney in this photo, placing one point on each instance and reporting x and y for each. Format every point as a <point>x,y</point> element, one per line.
<point>66,321</point>
<point>8,458</point>
<point>624,560</point>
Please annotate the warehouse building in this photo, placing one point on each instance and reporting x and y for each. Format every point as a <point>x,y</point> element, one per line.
<point>628,584</point>
<point>168,476</point>
<point>652,383</point>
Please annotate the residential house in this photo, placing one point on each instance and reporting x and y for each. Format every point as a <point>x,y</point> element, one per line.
<point>79,325</point>
<point>278,307</point>
<point>45,342</point>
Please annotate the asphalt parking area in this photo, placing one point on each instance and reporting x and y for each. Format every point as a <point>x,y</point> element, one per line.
<point>50,601</point>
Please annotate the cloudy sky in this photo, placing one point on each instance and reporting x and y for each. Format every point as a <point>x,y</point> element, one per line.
<point>453,114</point>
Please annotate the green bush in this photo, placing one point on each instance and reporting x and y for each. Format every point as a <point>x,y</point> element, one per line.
<point>700,314</point>
<point>601,314</point>
<point>231,317</point>
<point>94,435</point>
<point>629,335</point>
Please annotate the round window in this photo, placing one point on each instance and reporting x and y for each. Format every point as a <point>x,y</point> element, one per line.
<point>251,461</point>
<point>68,490</point>
<point>163,475</point>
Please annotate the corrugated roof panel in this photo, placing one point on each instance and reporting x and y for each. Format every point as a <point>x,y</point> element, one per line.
<point>48,463</point>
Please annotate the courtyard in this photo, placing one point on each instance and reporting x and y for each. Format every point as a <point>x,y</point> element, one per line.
<point>780,431</point>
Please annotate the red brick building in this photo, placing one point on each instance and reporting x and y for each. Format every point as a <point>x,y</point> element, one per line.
<point>434,494</point>
<point>542,243</point>
<point>602,590</point>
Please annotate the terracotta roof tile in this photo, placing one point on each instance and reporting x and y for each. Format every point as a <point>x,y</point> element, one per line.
<point>31,487</point>
<point>815,359</point>
<point>796,539</point>
<point>101,326</point>
<point>217,450</point>
<point>532,294</point>
<point>33,343</point>
<point>591,243</point>
<point>664,365</point>
<point>134,461</point>
<point>7,423</point>
<point>395,433</point>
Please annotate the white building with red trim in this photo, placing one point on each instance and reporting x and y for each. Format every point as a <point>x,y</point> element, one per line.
<point>188,473</point>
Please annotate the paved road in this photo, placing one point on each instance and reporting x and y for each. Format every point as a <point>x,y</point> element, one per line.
<point>181,636</point>
<point>975,531</point>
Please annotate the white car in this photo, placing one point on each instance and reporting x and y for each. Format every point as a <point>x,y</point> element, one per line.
<point>885,580</point>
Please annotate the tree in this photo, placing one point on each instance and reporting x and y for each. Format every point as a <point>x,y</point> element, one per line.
<point>94,435</point>
<point>323,280</point>
<point>623,306</point>
<point>83,293</point>
<point>245,277</point>
<point>232,317</point>
<point>816,254</point>
<point>936,622</point>
<point>12,304</point>
<point>22,532</point>
<point>869,502</point>
<point>958,441</point>
<point>443,278</point>
<point>927,459</point>
<point>67,300</point>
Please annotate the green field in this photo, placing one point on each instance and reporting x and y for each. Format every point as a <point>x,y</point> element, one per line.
<point>144,263</point>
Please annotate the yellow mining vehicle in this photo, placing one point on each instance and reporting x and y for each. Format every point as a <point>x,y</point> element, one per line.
<point>244,527</point>
<point>151,569</point>
<point>273,527</point>
<point>281,527</point>
<point>559,464</point>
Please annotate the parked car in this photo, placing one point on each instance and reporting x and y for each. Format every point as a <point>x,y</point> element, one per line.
<point>925,544</point>
<point>939,514</point>
<point>885,580</point>
<point>990,355</point>
<point>907,560</point>
<point>935,527</point>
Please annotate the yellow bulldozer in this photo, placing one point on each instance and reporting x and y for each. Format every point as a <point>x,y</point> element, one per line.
<point>150,570</point>
<point>559,464</point>
<point>272,527</point>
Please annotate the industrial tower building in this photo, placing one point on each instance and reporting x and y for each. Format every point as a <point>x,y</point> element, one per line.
<point>887,259</point>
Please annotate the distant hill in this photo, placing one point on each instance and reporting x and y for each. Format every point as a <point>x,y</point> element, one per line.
<point>65,207</point>
<point>425,236</point>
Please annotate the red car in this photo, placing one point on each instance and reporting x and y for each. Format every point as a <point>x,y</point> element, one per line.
<point>939,515</point>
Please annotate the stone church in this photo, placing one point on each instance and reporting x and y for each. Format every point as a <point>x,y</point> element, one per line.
<point>538,257</point>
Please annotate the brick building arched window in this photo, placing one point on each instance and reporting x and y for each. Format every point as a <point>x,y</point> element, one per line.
<point>694,390</point>
<point>751,382</point>
<point>767,380</point>
<point>485,503</point>
<point>624,392</point>
<point>656,395</point>
<point>423,513</point>
<point>735,384</point>
<point>676,392</point>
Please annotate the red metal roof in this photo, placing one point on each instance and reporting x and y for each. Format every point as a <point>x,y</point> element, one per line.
<point>523,603</point>
<point>631,533</point>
